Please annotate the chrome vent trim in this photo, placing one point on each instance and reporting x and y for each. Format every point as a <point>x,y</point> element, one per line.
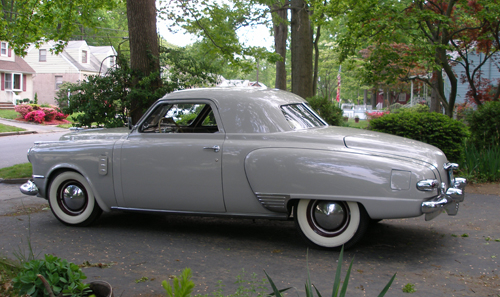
<point>274,202</point>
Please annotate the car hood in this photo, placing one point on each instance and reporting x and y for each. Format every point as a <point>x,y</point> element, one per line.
<point>96,134</point>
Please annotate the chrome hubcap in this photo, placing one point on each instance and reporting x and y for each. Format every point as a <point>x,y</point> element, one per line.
<point>329,215</point>
<point>328,218</point>
<point>73,197</point>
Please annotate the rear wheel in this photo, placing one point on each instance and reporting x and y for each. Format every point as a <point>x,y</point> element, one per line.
<point>72,201</point>
<point>330,224</point>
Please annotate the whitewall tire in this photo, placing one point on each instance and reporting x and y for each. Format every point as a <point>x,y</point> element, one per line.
<point>330,224</point>
<point>71,199</point>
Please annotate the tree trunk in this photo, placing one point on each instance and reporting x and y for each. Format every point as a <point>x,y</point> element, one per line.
<point>144,52</point>
<point>435,105</point>
<point>280,36</point>
<point>301,47</point>
<point>316,60</point>
<point>374,98</point>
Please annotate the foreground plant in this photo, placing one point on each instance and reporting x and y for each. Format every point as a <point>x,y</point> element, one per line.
<point>182,285</point>
<point>336,284</point>
<point>51,276</point>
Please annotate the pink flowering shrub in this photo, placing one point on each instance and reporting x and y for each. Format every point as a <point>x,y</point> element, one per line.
<point>61,116</point>
<point>23,109</point>
<point>36,116</point>
<point>50,113</point>
<point>376,114</point>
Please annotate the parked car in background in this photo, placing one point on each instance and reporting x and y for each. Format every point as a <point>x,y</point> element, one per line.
<point>249,153</point>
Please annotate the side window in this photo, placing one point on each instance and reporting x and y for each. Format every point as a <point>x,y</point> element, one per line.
<point>192,117</point>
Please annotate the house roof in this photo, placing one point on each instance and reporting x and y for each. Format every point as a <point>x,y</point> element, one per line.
<point>94,63</point>
<point>19,65</point>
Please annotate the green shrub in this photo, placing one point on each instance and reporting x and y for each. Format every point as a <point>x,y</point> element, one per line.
<point>415,108</point>
<point>327,110</point>
<point>484,124</point>
<point>62,277</point>
<point>480,164</point>
<point>429,127</point>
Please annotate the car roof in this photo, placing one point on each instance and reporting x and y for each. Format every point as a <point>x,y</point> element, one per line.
<point>244,109</point>
<point>230,94</point>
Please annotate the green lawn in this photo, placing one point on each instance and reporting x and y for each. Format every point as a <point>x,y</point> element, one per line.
<point>363,124</point>
<point>16,171</point>
<point>7,128</point>
<point>9,114</point>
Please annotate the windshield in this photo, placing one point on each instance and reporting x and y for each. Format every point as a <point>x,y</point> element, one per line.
<point>300,116</point>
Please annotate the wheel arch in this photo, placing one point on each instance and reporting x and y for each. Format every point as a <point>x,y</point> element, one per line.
<point>56,170</point>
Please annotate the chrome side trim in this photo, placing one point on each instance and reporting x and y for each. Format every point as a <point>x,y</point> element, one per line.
<point>208,214</point>
<point>274,202</point>
<point>39,176</point>
<point>29,188</point>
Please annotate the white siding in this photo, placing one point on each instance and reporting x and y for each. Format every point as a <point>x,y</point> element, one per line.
<point>54,63</point>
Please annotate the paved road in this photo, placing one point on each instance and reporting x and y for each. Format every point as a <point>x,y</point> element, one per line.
<point>431,255</point>
<point>13,148</point>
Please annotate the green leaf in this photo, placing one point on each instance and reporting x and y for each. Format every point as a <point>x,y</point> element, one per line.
<point>386,288</point>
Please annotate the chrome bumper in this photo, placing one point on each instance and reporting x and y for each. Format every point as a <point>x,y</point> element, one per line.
<point>29,188</point>
<point>448,200</point>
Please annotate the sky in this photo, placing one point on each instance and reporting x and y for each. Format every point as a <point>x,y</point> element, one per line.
<point>258,36</point>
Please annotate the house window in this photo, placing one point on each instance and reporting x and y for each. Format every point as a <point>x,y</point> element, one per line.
<point>13,81</point>
<point>42,55</point>
<point>84,57</point>
<point>3,49</point>
<point>17,82</point>
<point>111,61</point>
<point>59,81</point>
<point>8,81</point>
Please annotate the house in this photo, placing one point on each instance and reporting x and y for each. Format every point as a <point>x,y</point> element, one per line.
<point>16,77</point>
<point>77,61</point>
<point>490,72</point>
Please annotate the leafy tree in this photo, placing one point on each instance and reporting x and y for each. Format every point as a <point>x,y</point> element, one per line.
<point>112,30</point>
<point>33,22</point>
<point>431,31</point>
<point>105,100</point>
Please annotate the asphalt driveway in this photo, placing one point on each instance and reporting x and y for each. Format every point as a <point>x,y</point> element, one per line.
<point>449,256</point>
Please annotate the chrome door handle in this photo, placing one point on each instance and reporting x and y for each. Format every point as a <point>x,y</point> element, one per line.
<point>215,148</point>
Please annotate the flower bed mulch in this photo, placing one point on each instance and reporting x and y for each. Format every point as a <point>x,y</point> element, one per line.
<point>53,122</point>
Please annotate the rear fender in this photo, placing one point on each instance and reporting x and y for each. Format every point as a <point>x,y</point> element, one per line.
<point>278,176</point>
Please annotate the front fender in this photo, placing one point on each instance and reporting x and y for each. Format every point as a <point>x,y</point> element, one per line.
<point>72,167</point>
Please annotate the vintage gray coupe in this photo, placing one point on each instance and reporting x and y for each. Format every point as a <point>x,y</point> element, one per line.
<point>250,153</point>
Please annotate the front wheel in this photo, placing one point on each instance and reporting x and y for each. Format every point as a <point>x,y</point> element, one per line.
<point>330,224</point>
<point>72,201</point>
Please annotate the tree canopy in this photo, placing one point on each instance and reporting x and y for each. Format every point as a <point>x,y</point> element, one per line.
<point>25,22</point>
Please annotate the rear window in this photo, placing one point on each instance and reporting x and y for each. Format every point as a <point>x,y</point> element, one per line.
<point>300,116</point>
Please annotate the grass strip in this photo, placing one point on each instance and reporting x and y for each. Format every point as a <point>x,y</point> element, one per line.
<point>7,128</point>
<point>17,171</point>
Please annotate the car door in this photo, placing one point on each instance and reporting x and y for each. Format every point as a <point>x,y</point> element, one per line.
<point>174,159</point>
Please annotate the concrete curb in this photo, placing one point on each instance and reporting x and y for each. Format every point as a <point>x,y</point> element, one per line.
<point>14,181</point>
<point>17,133</point>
